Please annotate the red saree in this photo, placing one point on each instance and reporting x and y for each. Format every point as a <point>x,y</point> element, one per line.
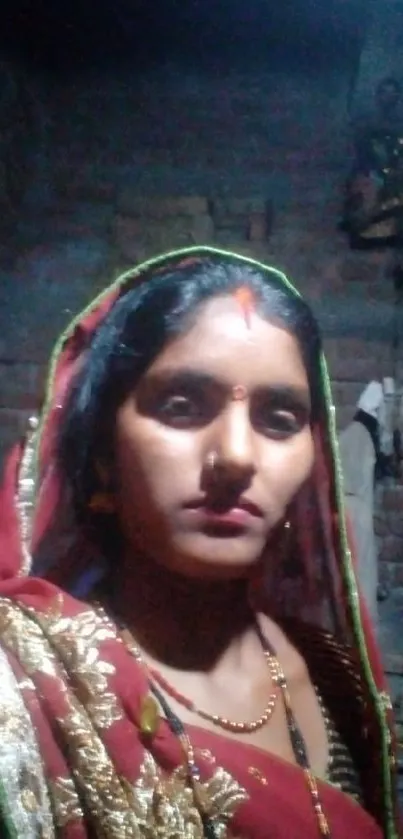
<point>86,770</point>
<point>129,788</point>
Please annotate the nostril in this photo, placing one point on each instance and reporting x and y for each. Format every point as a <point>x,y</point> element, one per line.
<point>229,479</point>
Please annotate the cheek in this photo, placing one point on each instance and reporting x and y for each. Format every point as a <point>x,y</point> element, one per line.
<point>289,464</point>
<point>157,461</point>
<point>304,455</point>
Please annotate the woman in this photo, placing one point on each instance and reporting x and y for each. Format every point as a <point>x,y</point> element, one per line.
<point>183,649</point>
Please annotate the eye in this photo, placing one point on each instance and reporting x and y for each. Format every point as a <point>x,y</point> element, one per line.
<point>279,422</point>
<point>182,410</point>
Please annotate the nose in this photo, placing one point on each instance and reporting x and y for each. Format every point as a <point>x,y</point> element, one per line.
<point>234,443</point>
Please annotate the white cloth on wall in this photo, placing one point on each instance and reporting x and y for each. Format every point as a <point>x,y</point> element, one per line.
<point>371,399</point>
<point>357,455</point>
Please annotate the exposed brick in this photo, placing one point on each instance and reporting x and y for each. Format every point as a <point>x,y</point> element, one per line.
<point>381,526</point>
<point>130,203</point>
<point>395,524</point>
<point>393,663</point>
<point>203,230</point>
<point>13,425</point>
<point>234,207</point>
<point>391,550</point>
<point>77,220</point>
<point>355,360</point>
<point>398,574</point>
<point>331,275</point>
<point>20,385</point>
<point>357,346</point>
<point>136,238</point>
<point>258,228</point>
<point>83,183</point>
<point>385,574</point>
<point>362,267</point>
<point>346,394</point>
<point>392,499</point>
<point>128,233</point>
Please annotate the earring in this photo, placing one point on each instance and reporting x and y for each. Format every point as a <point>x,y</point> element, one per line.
<point>212,461</point>
<point>102,502</point>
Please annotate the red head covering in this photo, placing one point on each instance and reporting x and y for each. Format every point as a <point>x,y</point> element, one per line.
<point>31,494</point>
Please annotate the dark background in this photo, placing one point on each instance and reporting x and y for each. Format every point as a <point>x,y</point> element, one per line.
<point>72,37</point>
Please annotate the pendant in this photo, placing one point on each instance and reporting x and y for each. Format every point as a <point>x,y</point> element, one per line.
<point>149,716</point>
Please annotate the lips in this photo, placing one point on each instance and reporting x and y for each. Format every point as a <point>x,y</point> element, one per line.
<point>237,511</point>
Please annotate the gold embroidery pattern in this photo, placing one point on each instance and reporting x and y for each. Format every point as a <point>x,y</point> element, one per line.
<point>21,772</point>
<point>206,755</point>
<point>26,642</point>
<point>156,805</point>
<point>26,494</point>
<point>65,802</point>
<point>255,773</point>
<point>102,790</point>
<point>77,641</point>
<point>165,806</point>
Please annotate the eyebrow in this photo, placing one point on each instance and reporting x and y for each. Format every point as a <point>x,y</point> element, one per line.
<point>293,395</point>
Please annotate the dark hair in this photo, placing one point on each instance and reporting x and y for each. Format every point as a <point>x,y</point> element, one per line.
<point>137,328</point>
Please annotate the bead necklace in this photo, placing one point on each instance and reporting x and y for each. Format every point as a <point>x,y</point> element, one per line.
<point>221,722</point>
<point>298,744</point>
<point>224,722</point>
<point>149,720</point>
<point>210,828</point>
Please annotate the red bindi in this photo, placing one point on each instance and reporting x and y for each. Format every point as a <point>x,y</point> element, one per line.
<point>245,299</point>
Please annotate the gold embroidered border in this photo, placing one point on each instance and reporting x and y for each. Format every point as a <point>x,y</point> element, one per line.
<point>77,642</point>
<point>155,804</point>
<point>25,495</point>
<point>102,791</point>
<point>166,806</point>
<point>21,769</point>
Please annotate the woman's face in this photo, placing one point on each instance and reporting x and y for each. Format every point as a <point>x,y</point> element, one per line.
<point>231,394</point>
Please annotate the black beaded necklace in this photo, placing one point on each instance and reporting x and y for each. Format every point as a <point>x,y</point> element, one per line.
<point>298,744</point>
<point>210,829</point>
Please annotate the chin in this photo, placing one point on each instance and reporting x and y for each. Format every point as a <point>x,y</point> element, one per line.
<point>220,559</point>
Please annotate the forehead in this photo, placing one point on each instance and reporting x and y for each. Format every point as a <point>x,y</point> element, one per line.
<point>222,342</point>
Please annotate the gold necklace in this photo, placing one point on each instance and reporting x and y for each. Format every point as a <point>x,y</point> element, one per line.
<point>217,720</point>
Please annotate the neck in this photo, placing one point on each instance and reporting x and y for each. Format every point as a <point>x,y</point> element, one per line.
<point>181,622</point>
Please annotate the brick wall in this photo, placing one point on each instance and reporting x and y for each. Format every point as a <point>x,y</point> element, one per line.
<point>389,532</point>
